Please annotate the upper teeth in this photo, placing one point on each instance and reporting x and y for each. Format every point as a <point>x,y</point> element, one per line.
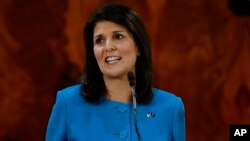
<point>112,58</point>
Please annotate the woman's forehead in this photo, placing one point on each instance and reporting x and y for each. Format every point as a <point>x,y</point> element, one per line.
<point>102,27</point>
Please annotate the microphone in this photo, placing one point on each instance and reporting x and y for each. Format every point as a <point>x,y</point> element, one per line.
<point>131,79</point>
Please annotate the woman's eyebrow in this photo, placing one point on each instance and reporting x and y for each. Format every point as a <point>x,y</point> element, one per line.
<point>118,31</point>
<point>98,36</point>
<point>101,35</point>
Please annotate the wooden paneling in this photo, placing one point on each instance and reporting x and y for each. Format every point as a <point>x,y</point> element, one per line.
<point>201,52</point>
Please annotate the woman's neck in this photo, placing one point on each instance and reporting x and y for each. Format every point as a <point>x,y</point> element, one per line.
<point>118,89</point>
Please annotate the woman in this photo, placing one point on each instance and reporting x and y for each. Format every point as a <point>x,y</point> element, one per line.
<point>103,107</point>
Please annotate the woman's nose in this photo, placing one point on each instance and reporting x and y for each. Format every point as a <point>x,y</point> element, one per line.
<point>110,46</point>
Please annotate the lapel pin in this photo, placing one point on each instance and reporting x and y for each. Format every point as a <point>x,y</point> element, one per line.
<point>150,115</point>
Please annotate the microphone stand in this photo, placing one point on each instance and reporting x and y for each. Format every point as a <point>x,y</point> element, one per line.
<point>131,79</point>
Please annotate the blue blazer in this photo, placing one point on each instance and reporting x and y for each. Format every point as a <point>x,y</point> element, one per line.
<point>74,119</point>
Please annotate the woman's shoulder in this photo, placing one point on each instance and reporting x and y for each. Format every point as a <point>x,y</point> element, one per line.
<point>168,103</point>
<point>163,94</point>
<point>71,93</point>
<point>164,97</point>
<point>71,89</point>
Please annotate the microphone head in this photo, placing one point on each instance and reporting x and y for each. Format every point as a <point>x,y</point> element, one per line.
<point>131,78</point>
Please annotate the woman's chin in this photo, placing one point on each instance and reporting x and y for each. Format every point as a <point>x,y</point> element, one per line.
<point>115,74</point>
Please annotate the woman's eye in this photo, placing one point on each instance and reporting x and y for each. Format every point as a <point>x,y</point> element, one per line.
<point>118,36</point>
<point>98,41</point>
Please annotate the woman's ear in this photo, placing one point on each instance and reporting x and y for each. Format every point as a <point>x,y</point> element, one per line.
<point>138,53</point>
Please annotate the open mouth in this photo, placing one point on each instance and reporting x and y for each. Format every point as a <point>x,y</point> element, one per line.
<point>112,59</point>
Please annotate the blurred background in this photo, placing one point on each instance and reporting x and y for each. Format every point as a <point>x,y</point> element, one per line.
<point>201,52</point>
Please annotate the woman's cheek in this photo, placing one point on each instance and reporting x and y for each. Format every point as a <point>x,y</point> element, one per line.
<point>97,53</point>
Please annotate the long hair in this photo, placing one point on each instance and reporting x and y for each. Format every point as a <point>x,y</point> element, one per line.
<point>93,87</point>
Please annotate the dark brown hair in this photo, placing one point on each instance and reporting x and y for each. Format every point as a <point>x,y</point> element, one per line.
<point>93,87</point>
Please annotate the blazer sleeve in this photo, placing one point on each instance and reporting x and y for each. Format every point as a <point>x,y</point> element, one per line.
<point>179,128</point>
<point>56,129</point>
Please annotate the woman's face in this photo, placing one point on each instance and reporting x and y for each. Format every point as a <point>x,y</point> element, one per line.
<point>114,49</point>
